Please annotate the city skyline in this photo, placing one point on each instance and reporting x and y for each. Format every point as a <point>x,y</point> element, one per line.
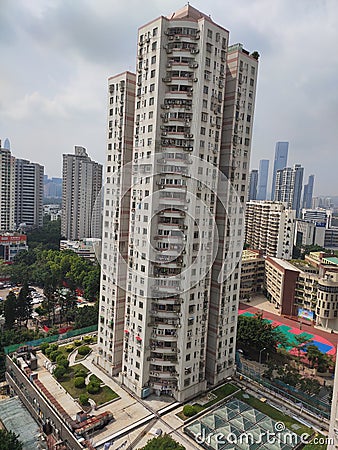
<point>62,91</point>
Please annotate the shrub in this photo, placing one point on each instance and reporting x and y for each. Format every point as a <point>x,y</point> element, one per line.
<point>83,399</point>
<point>79,382</point>
<point>84,350</point>
<point>61,360</point>
<point>43,347</point>
<point>53,347</point>
<point>48,351</point>
<point>87,339</point>
<point>93,388</point>
<point>77,343</point>
<point>95,380</point>
<point>69,348</point>
<point>189,410</point>
<point>79,372</point>
<point>59,372</point>
<point>53,355</point>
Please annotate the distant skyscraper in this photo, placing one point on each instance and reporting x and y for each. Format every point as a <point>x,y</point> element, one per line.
<point>52,187</point>
<point>81,186</point>
<point>7,189</point>
<point>253,181</point>
<point>308,193</point>
<point>263,175</point>
<point>7,144</point>
<point>28,193</point>
<point>288,187</point>
<point>281,161</point>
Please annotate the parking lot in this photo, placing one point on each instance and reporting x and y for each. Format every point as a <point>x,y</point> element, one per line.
<point>36,292</point>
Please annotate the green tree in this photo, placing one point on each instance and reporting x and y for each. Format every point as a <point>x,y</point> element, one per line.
<point>164,442</point>
<point>86,316</point>
<point>24,305</point>
<point>59,372</point>
<point>10,308</point>
<point>9,441</point>
<point>256,334</point>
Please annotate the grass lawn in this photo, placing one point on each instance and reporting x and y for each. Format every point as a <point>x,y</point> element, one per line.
<point>220,393</point>
<point>274,414</point>
<point>106,394</point>
<point>313,446</point>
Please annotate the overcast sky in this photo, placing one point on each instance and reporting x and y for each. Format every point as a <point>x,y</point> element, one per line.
<point>56,56</point>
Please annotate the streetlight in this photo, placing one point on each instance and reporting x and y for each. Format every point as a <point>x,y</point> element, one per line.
<point>260,355</point>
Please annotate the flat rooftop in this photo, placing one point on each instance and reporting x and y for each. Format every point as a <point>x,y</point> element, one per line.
<point>16,418</point>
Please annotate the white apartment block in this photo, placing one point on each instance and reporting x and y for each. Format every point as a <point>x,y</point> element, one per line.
<point>270,227</point>
<point>113,310</point>
<point>28,194</point>
<point>7,189</point>
<point>168,303</point>
<point>81,202</point>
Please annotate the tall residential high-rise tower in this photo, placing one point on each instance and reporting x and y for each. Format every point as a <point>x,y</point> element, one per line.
<point>7,189</point>
<point>253,182</point>
<point>280,162</point>
<point>28,193</point>
<point>81,187</point>
<point>308,192</point>
<point>289,185</point>
<point>263,175</point>
<point>168,302</point>
<point>270,227</point>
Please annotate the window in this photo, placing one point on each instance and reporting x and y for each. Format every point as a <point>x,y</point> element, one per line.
<point>152,87</point>
<point>153,59</point>
<point>150,128</point>
<point>203,132</point>
<point>207,62</point>
<point>205,89</point>
<point>204,117</point>
<point>152,73</point>
<point>154,46</point>
<point>151,101</point>
<point>209,34</point>
<point>155,30</point>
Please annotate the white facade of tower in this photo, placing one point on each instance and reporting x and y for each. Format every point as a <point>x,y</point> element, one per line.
<point>28,194</point>
<point>270,227</point>
<point>192,128</point>
<point>116,221</point>
<point>7,189</point>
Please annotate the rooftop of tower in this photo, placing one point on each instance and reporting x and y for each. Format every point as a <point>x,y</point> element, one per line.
<point>189,12</point>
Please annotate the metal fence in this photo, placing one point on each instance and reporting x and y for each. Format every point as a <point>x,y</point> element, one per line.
<point>300,398</point>
<point>55,338</point>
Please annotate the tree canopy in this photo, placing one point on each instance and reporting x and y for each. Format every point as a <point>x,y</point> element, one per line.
<point>55,268</point>
<point>164,442</point>
<point>255,334</point>
<point>9,441</point>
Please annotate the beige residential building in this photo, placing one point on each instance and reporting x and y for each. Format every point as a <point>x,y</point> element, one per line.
<point>168,314</point>
<point>270,227</point>
<point>81,196</point>
<point>252,273</point>
<point>280,284</point>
